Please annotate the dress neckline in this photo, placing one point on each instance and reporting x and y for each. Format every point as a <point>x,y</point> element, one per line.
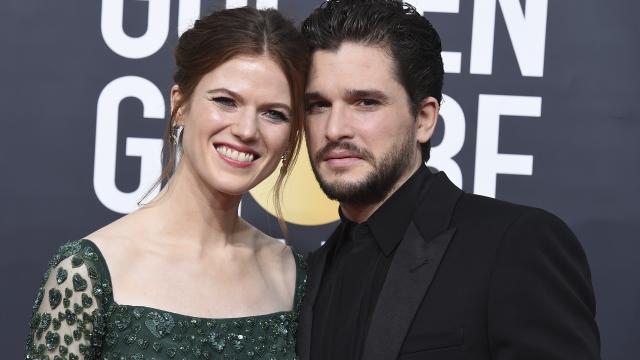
<point>296,295</point>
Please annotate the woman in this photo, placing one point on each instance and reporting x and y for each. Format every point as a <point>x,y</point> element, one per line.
<point>184,276</point>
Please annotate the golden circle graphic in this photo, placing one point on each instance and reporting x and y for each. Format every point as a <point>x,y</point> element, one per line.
<point>303,202</point>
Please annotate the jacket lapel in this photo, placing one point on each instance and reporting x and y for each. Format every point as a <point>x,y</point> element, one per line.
<point>316,264</point>
<point>412,270</point>
<point>407,281</point>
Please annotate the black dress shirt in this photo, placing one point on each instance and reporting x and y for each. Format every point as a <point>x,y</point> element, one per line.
<point>355,271</point>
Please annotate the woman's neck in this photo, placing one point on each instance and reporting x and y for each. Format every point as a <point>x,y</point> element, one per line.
<point>193,213</point>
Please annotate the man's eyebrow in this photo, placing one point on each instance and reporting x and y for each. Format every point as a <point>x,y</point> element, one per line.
<point>314,95</point>
<point>351,94</point>
<point>366,93</point>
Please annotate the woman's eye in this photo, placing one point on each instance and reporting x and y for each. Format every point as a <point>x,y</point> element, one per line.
<point>224,101</point>
<point>276,115</point>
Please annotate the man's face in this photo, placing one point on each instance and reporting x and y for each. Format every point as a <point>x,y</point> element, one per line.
<point>360,130</point>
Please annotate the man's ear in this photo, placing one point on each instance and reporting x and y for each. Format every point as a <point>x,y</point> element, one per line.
<point>176,98</point>
<point>426,119</point>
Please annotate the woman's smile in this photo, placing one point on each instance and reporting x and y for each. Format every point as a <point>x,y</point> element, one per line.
<point>236,157</point>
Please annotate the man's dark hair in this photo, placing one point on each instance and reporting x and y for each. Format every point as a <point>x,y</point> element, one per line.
<point>411,40</point>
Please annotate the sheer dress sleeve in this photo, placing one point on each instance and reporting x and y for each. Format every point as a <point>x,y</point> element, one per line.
<point>67,320</point>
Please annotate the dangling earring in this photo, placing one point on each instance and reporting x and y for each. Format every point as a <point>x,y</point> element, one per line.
<point>176,133</point>
<point>285,159</point>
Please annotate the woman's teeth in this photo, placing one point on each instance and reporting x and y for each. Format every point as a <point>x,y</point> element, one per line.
<point>234,154</point>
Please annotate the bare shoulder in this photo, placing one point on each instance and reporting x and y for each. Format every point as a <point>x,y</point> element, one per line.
<point>276,253</point>
<point>274,248</point>
<point>108,232</point>
<point>113,238</point>
<point>280,266</point>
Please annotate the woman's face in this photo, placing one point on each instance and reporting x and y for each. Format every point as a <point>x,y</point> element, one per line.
<point>236,124</point>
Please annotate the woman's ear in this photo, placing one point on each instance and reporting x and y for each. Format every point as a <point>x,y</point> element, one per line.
<point>176,99</point>
<point>426,119</point>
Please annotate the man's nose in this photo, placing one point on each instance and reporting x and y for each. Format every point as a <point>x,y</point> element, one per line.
<point>338,124</point>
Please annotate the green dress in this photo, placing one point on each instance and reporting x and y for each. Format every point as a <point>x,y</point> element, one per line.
<point>75,317</point>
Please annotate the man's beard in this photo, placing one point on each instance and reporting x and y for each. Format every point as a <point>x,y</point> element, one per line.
<point>378,182</point>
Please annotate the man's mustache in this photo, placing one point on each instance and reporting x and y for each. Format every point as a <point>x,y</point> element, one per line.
<point>347,146</point>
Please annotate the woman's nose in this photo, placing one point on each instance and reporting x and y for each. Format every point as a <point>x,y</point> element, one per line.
<point>245,126</point>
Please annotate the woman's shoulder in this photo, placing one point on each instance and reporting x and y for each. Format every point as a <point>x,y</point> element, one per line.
<point>116,241</point>
<point>276,250</point>
<point>76,253</point>
<point>67,251</point>
<point>118,231</point>
<point>81,261</point>
<point>69,302</point>
<point>291,267</point>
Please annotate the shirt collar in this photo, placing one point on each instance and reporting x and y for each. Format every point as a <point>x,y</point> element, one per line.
<point>389,222</point>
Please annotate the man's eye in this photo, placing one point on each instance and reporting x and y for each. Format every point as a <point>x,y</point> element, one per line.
<point>224,101</point>
<point>276,115</point>
<point>367,102</point>
<point>317,106</point>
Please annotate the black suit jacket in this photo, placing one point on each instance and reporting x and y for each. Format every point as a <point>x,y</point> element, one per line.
<point>476,278</point>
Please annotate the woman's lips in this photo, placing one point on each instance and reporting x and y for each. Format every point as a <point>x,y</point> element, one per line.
<point>236,156</point>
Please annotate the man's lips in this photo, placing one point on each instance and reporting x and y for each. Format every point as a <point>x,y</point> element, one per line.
<point>341,159</point>
<point>337,155</point>
<point>342,155</point>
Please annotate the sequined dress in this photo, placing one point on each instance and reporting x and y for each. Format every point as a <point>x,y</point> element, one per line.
<point>75,317</point>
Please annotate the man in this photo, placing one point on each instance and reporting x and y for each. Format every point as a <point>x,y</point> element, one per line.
<point>418,269</point>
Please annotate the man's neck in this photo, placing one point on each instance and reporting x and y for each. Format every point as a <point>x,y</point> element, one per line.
<point>360,213</point>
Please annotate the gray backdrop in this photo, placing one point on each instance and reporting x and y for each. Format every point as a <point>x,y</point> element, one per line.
<point>553,83</point>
